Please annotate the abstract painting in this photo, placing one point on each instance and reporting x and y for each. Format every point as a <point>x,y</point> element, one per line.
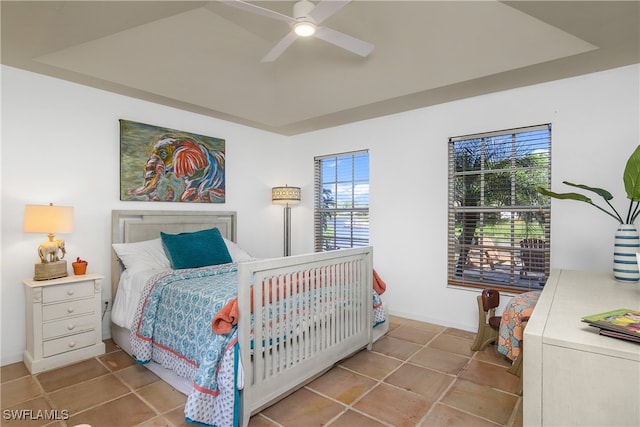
<point>166,165</point>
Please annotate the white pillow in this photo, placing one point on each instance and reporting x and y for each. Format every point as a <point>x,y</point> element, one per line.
<point>237,254</point>
<point>144,255</point>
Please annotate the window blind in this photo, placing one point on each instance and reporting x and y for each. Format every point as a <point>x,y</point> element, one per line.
<point>341,213</point>
<point>498,224</point>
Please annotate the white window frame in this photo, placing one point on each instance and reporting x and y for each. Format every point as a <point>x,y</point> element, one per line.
<point>498,224</point>
<point>341,208</point>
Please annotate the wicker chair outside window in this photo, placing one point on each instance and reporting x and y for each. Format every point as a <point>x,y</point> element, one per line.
<point>532,253</point>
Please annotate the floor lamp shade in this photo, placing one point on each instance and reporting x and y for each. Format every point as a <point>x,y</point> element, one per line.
<point>286,196</point>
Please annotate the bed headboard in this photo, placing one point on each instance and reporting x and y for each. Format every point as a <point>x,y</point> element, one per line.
<point>135,226</point>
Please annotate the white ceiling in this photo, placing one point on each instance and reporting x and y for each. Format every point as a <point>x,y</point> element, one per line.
<point>205,56</point>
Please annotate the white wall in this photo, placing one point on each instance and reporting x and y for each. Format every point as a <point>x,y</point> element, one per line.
<point>595,127</point>
<point>60,144</point>
<point>595,122</point>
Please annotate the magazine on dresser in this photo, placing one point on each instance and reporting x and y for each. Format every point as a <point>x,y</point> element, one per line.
<point>621,323</point>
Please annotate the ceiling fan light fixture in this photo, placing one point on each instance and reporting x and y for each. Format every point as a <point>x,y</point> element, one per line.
<point>304,28</point>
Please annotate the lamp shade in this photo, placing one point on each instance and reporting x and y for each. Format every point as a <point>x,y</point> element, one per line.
<point>285,195</point>
<point>48,219</point>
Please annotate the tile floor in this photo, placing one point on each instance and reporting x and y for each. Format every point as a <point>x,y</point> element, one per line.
<point>419,374</point>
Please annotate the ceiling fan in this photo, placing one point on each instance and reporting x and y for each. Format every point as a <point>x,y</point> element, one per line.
<point>305,22</point>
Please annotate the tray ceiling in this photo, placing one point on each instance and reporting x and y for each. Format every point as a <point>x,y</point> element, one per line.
<point>205,56</point>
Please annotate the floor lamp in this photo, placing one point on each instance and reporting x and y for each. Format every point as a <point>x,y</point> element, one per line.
<point>286,196</point>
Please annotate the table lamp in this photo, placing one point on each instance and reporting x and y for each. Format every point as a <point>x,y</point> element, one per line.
<point>286,196</point>
<point>51,220</point>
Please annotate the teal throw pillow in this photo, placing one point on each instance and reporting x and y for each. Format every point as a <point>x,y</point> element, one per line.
<point>195,249</point>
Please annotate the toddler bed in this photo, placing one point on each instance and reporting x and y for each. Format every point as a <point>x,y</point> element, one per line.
<point>265,327</point>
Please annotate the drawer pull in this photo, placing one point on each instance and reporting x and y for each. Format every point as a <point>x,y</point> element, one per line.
<point>71,292</point>
<point>72,344</point>
<point>70,310</point>
<point>71,326</point>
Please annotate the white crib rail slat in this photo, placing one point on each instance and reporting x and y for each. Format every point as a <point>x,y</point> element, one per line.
<point>325,299</point>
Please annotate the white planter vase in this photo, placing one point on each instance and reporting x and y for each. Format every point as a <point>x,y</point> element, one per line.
<point>626,245</point>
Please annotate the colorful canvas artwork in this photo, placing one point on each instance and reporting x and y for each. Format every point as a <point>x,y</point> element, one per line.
<point>166,165</point>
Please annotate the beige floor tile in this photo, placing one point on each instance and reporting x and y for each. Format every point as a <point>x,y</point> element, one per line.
<point>343,385</point>
<point>25,414</point>
<point>394,405</point>
<point>490,375</point>
<point>394,347</point>
<point>90,393</point>
<point>136,376</point>
<point>126,411</point>
<point>411,334</point>
<point>110,346</point>
<point>475,398</point>
<point>19,390</point>
<point>158,421</point>
<point>304,408</point>
<point>446,416</point>
<point>460,333</point>
<point>260,420</point>
<point>516,420</point>
<point>72,374</point>
<point>426,382</point>
<point>355,419</point>
<point>176,417</point>
<point>417,324</point>
<point>13,371</point>
<point>439,360</point>
<point>483,401</point>
<point>371,364</point>
<point>490,355</point>
<point>452,344</point>
<point>117,360</point>
<point>162,396</point>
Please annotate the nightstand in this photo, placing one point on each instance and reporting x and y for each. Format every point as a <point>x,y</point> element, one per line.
<point>64,321</point>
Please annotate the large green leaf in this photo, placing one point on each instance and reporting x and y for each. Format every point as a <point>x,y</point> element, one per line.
<point>569,196</point>
<point>631,176</point>
<point>599,191</point>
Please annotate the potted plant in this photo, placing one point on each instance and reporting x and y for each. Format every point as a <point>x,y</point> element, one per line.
<point>627,242</point>
<point>79,266</point>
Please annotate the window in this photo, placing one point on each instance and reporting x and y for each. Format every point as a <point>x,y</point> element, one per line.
<point>341,217</point>
<point>498,223</point>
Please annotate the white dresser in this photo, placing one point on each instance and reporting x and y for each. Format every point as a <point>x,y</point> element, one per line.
<point>572,375</point>
<point>64,322</point>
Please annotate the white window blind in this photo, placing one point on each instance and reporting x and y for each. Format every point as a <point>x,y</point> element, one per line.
<point>341,214</point>
<point>498,224</point>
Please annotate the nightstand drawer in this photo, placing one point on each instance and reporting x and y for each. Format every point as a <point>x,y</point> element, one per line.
<point>69,326</point>
<point>66,291</point>
<point>64,344</point>
<point>69,308</point>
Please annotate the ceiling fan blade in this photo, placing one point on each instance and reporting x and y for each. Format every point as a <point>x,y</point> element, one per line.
<point>249,7</point>
<point>282,45</point>
<point>325,9</point>
<point>344,41</point>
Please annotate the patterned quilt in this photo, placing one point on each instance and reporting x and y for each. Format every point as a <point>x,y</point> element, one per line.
<point>173,328</point>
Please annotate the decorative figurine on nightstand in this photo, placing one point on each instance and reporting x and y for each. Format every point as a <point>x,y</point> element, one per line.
<point>49,219</point>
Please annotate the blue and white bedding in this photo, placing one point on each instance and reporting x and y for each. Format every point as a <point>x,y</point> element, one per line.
<point>173,328</point>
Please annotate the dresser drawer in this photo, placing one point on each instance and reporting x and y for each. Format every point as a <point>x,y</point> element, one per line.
<point>66,291</point>
<point>68,308</point>
<point>64,344</point>
<point>68,326</point>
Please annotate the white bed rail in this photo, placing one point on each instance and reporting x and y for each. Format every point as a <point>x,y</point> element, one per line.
<point>317,311</point>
